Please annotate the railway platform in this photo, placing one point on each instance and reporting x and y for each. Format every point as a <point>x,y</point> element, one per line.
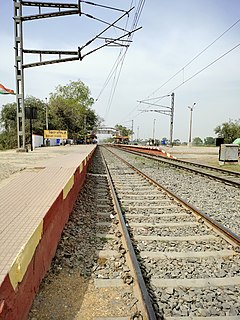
<point>34,207</point>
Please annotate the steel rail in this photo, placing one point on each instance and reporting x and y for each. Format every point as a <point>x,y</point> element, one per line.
<point>150,313</point>
<point>216,225</point>
<point>181,166</point>
<point>236,173</point>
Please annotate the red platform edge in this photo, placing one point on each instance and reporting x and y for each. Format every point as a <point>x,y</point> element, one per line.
<point>147,149</point>
<point>16,304</point>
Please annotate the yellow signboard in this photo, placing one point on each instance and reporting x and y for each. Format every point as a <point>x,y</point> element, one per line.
<point>55,134</point>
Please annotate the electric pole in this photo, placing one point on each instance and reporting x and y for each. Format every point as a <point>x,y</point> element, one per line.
<point>18,32</point>
<point>85,129</point>
<point>171,119</point>
<point>46,114</point>
<point>168,111</point>
<point>190,125</point>
<point>57,10</point>
<point>132,130</point>
<point>154,121</point>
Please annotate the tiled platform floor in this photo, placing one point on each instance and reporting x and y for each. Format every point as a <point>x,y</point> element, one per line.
<point>26,198</point>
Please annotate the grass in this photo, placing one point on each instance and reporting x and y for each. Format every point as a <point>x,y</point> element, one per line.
<point>231,167</point>
<point>103,239</point>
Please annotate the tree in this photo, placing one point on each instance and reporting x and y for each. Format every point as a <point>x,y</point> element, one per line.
<point>39,124</point>
<point>124,131</point>
<point>228,130</point>
<point>8,117</point>
<point>70,109</point>
<point>8,136</point>
<point>209,141</point>
<point>176,142</point>
<point>197,141</point>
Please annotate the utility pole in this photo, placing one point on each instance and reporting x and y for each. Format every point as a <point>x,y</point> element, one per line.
<point>168,111</point>
<point>132,130</point>
<point>46,141</point>
<point>85,128</point>
<point>137,133</point>
<point>190,125</point>
<point>154,121</point>
<point>18,31</point>
<point>46,114</point>
<point>31,130</point>
<point>171,119</point>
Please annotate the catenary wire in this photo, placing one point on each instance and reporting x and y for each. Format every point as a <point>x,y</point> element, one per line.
<point>116,77</point>
<point>193,59</point>
<point>210,64</point>
<point>198,55</point>
<point>114,67</point>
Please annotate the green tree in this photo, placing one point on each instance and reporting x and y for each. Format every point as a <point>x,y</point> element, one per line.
<point>8,117</point>
<point>39,124</point>
<point>8,135</point>
<point>124,131</point>
<point>209,141</point>
<point>70,109</point>
<point>228,130</point>
<point>176,142</point>
<point>197,141</point>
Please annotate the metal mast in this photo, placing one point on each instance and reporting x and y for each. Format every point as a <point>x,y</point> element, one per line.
<point>168,111</point>
<point>62,9</point>
<point>18,28</point>
<point>171,119</point>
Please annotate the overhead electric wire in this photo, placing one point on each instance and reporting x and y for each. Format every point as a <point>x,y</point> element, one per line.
<point>102,6</point>
<point>207,66</point>
<point>193,59</point>
<point>195,74</point>
<point>120,58</point>
<point>198,55</point>
<point>104,30</point>
<point>116,82</point>
<point>166,95</point>
<point>114,85</point>
<point>115,65</point>
<point>109,76</point>
<point>210,64</point>
<point>114,68</point>
<point>105,22</point>
<point>116,77</point>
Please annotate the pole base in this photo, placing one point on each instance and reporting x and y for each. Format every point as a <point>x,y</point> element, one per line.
<point>22,149</point>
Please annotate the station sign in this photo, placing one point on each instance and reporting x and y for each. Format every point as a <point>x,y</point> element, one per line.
<point>55,134</point>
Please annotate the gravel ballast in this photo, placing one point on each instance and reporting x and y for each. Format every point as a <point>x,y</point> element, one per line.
<point>220,201</point>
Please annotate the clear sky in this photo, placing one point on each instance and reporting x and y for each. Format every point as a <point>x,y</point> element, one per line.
<point>173,33</point>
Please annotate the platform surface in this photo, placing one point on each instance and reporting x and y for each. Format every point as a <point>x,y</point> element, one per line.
<point>26,193</point>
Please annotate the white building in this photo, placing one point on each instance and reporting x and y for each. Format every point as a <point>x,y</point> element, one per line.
<point>104,133</point>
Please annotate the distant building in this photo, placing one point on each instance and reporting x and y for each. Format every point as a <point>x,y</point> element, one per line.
<point>104,133</point>
<point>121,139</point>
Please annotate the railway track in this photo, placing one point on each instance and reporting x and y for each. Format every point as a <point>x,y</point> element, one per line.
<point>227,176</point>
<point>89,278</point>
<point>189,262</point>
<point>219,200</point>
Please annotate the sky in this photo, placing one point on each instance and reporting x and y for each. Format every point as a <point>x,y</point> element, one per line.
<point>173,33</point>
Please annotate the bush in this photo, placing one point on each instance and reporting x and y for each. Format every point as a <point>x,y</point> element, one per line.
<point>8,140</point>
